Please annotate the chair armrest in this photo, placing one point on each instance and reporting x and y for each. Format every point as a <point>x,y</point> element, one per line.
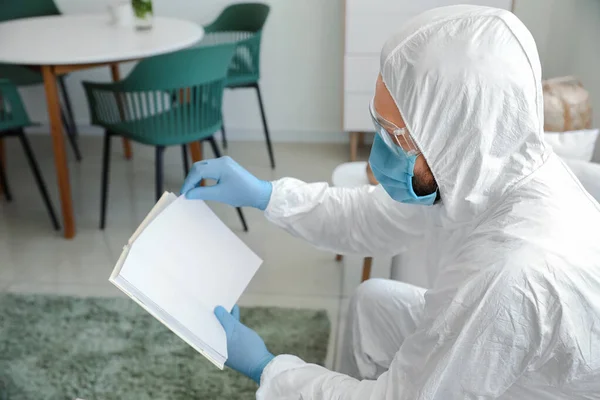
<point>106,101</point>
<point>12,110</point>
<point>105,86</point>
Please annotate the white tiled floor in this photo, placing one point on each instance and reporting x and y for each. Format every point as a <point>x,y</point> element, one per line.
<point>33,258</point>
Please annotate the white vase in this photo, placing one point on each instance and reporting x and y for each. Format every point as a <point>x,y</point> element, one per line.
<point>143,13</point>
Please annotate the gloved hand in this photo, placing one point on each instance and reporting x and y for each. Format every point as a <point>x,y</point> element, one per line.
<point>246,350</point>
<point>235,186</point>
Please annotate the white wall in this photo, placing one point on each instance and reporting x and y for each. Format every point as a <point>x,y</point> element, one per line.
<point>302,61</point>
<point>567,33</point>
<point>573,45</point>
<point>301,68</point>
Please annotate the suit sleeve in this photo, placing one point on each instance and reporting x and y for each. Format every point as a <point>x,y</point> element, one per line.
<point>362,220</point>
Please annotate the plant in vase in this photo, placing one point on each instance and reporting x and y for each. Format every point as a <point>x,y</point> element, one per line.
<point>143,13</point>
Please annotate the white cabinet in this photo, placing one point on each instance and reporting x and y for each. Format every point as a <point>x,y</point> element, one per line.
<point>369,23</point>
<point>361,73</point>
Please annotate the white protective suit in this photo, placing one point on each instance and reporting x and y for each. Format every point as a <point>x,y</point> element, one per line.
<point>514,309</point>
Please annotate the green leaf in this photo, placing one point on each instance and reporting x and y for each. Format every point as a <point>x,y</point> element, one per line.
<point>142,8</point>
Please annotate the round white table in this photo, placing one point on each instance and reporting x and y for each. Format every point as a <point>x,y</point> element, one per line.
<point>58,45</point>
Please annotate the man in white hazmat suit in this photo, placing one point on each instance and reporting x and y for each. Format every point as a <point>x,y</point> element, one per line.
<point>504,226</point>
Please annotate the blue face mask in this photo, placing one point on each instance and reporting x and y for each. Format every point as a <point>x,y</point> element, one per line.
<point>395,170</point>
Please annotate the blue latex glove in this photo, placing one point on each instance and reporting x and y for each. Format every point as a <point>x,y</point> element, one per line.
<point>235,186</point>
<point>246,350</point>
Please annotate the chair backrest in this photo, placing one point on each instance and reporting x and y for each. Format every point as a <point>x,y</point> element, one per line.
<point>14,9</point>
<point>247,17</point>
<point>12,111</point>
<point>242,23</point>
<point>182,69</point>
<point>169,99</point>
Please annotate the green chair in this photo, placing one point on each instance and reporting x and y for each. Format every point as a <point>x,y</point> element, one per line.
<point>27,76</point>
<point>13,118</point>
<point>167,100</point>
<point>242,23</point>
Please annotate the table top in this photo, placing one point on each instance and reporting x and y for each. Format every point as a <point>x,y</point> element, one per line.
<point>88,39</point>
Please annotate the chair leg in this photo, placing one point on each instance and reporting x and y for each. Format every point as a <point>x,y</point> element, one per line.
<point>366,272</point>
<point>3,180</point>
<point>217,152</point>
<point>38,178</point>
<point>69,118</point>
<point>242,219</point>
<point>186,160</point>
<point>223,133</point>
<point>266,128</point>
<point>105,178</point>
<point>2,156</point>
<point>214,146</point>
<point>160,150</point>
<point>67,100</point>
<point>70,135</point>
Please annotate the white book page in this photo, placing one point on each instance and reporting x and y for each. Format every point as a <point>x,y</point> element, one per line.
<point>168,320</point>
<point>165,200</point>
<point>188,262</point>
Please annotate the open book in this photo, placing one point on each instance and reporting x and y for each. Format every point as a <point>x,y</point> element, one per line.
<point>179,265</point>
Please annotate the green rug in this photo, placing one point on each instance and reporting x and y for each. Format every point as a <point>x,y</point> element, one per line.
<point>64,347</point>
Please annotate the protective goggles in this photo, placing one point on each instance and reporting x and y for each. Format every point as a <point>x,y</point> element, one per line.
<point>397,139</point>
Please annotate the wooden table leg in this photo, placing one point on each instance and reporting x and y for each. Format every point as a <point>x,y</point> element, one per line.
<point>366,272</point>
<point>194,147</point>
<point>361,139</point>
<point>60,156</point>
<point>116,76</point>
<point>354,145</point>
<point>196,151</point>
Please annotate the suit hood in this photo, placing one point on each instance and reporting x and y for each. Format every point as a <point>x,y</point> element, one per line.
<point>467,81</point>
